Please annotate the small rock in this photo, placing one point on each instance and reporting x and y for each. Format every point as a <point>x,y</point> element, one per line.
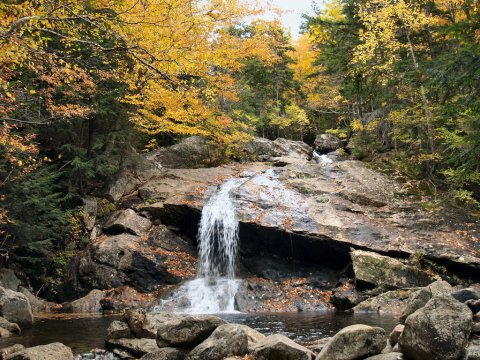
<point>137,347</point>
<point>165,354</point>
<point>438,331</point>
<point>473,350</point>
<point>325,143</point>
<point>280,347</point>
<point>354,342</point>
<point>395,334</point>
<point>11,349</point>
<point>188,331</point>
<point>118,330</point>
<point>390,356</point>
<point>317,345</point>
<point>474,305</point>
<point>226,340</point>
<point>9,326</point>
<point>54,351</point>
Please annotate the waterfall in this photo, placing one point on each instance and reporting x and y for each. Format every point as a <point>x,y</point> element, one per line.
<point>214,289</point>
<point>323,160</point>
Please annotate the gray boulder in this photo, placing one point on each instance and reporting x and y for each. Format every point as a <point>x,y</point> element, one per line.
<point>137,347</point>
<point>386,272</point>
<point>438,331</point>
<point>145,325</point>
<point>226,340</point>
<point>54,351</point>
<point>188,331</point>
<point>262,149</point>
<point>354,342</point>
<point>7,328</point>
<point>127,221</point>
<point>418,299</point>
<point>280,347</point>
<point>15,307</point>
<point>325,143</point>
<point>165,354</point>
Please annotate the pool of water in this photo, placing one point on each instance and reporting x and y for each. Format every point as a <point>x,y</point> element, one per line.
<point>85,333</point>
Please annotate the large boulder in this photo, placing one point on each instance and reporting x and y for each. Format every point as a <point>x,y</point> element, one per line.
<point>438,331</point>
<point>262,149</point>
<point>226,340</point>
<point>192,152</point>
<point>188,331</point>
<point>7,328</point>
<point>419,298</point>
<point>325,143</point>
<point>386,272</point>
<point>280,347</point>
<point>354,342</point>
<point>118,330</point>
<point>54,351</point>
<point>14,307</point>
<point>127,221</point>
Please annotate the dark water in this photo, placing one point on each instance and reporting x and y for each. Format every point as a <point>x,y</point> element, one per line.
<point>84,334</point>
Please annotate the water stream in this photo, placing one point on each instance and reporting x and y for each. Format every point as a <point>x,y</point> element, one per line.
<point>214,289</point>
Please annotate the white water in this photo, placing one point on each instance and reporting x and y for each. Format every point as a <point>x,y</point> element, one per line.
<point>323,160</point>
<point>214,289</point>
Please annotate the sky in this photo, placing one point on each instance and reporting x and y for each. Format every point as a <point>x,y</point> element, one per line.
<point>293,18</point>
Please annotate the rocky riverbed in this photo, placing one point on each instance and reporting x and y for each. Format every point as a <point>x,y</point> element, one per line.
<point>438,322</point>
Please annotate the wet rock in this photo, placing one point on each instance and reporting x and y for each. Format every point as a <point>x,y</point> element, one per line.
<point>326,143</point>
<point>226,340</point>
<point>188,331</point>
<point>127,221</point>
<point>391,302</point>
<point>317,345</point>
<point>14,307</point>
<point>395,334</point>
<point>386,272</point>
<point>280,347</point>
<point>96,354</point>
<point>9,280</point>
<point>10,350</point>
<point>54,351</point>
<point>418,299</point>
<point>9,327</point>
<point>354,342</point>
<point>166,354</point>
<point>137,347</point>
<point>439,330</point>
<point>118,330</point>
<point>389,356</point>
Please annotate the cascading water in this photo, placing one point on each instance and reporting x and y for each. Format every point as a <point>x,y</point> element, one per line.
<point>214,289</point>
